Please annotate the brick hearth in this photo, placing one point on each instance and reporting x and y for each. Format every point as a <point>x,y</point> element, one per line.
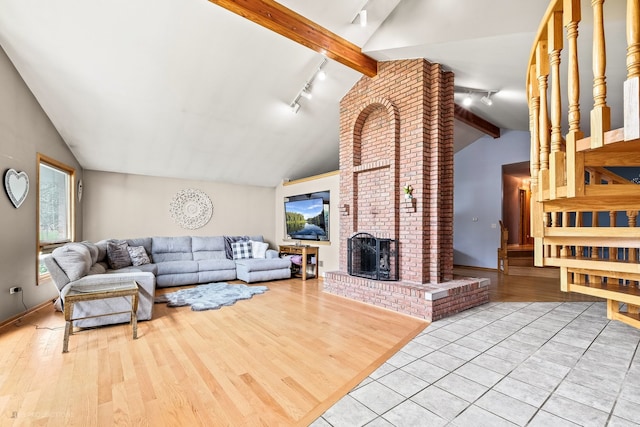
<point>396,129</point>
<point>430,302</point>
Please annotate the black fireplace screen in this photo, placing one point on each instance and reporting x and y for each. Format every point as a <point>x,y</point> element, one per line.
<point>372,257</point>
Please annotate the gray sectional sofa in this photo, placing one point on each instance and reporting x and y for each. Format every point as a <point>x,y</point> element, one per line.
<point>172,261</point>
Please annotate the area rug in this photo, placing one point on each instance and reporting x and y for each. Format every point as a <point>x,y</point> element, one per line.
<point>211,296</point>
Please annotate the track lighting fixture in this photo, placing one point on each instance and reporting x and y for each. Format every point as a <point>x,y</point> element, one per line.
<point>486,100</point>
<point>467,101</point>
<point>363,17</point>
<point>305,92</point>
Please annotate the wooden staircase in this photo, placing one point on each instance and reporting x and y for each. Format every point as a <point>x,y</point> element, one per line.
<point>584,216</point>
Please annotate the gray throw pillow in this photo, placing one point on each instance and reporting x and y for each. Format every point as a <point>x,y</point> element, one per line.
<point>138,255</point>
<point>118,255</point>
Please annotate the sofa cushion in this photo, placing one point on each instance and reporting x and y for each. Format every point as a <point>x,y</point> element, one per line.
<point>208,247</point>
<point>241,250</point>
<point>177,267</point>
<point>259,249</point>
<point>74,259</point>
<point>260,264</point>
<point>146,268</point>
<point>138,255</point>
<point>118,255</point>
<point>216,264</point>
<point>171,249</point>
<point>97,268</point>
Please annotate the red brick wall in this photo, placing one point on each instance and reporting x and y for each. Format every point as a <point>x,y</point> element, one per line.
<point>397,129</point>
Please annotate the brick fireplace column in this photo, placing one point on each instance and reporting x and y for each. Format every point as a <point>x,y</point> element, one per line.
<point>397,129</point>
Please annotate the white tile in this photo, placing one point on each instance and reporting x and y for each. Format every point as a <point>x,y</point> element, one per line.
<point>462,387</point>
<point>377,397</point>
<point>545,419</point>
<point>522,391</point>
<point>479,374</point>
<point>575,412</point>
<point>441,402</point>
<point>475,416</point>
<point>403,383</point>
<point>410,413</point>
<point>348,412</point>
<point>630,411</point>
<point>506,407</point>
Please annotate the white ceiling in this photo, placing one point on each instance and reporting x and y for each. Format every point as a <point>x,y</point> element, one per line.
<point>184,88</point>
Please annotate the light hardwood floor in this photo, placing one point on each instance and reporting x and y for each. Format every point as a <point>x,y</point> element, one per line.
<point>281,358</point>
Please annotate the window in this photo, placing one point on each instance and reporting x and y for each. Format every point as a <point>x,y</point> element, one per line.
<point>56,209</point>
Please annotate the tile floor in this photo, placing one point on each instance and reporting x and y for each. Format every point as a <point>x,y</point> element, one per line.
<point>505,364</point>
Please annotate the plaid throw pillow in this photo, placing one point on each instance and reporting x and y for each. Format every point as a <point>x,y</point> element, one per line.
<point>241,250</point>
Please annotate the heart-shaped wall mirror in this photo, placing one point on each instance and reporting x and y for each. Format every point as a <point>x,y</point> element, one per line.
<point>17,186</point>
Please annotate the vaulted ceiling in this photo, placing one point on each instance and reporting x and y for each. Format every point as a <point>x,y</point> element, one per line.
<point>188,89</point>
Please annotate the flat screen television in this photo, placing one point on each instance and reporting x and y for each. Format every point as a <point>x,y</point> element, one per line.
<point>307,219</point>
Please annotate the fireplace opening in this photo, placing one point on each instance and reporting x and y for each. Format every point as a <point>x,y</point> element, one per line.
<point>372,257</point>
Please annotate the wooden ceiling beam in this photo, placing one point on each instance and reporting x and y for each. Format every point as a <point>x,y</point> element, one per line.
<point>288,23</point>
<point>476,122</point>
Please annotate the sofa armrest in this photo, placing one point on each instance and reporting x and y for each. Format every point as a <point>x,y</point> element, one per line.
<point>272,253</point>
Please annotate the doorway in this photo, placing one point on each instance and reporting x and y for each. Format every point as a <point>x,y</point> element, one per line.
<point>516,203</point>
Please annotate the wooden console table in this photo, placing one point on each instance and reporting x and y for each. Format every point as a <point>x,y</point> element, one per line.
<point>306,252</point>
<point>108,291</point>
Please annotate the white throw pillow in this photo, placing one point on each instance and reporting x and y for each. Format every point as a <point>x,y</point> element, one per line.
<point>259,249</point>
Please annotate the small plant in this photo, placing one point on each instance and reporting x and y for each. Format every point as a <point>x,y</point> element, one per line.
<point>408,191</point>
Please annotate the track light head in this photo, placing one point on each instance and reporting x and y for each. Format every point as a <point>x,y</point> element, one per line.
<point>295,107</point>
<point>363,17</point>
<point>486,100</point>
<point>306,92</point>
<point>467,101</point>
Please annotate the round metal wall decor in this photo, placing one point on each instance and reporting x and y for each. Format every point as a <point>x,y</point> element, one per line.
<point>191,208</point>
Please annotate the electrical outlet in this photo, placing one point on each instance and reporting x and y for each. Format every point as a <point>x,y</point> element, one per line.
<point>320,263</point>
<point>15,290</point>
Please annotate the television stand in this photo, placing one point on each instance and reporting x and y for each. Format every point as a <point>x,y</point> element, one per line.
<point>309,257</point>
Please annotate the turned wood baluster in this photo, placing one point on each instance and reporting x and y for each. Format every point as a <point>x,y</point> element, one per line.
<point>579,278</point>
<point>556,160</point>
<point>632,217</point>
<point>613,252</point>
<point>595,222</point>
<point>542,63</point>
<point>575,160</point>
<point>601,114</point>
<point>534,117</point>
<point>543,129</point>
<point>632,84</point>
<point>565,223</point>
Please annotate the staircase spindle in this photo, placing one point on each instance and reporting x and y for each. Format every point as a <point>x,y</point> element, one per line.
<point>575,160</point>
<point>556,160</point>
<point>601,114</point>
<point>543,126</point>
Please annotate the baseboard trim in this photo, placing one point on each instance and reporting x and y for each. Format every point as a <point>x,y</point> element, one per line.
<point>475,268</point>
<point>32,310</point>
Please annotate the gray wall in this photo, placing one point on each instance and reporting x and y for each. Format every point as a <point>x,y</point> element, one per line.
<point>24,131</point>
<point>120,205</point>
<point>478,194</point>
